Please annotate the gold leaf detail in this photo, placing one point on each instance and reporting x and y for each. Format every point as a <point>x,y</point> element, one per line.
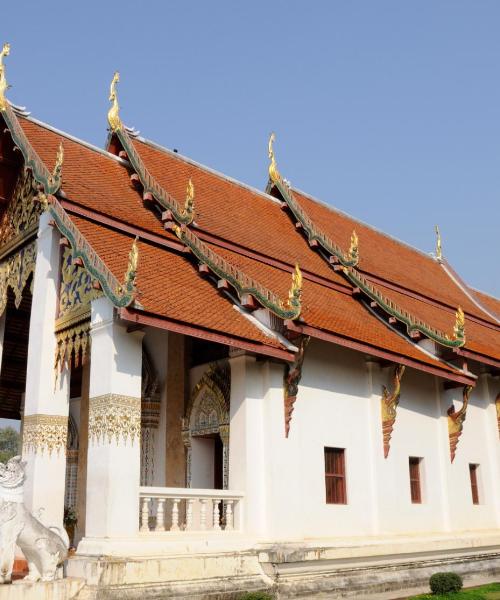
<point>3,80</point>
<point>114,112</point>
<point>45,433</point>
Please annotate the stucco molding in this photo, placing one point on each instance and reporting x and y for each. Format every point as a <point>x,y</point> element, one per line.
<point>114,418</point>
<point>45,433</point>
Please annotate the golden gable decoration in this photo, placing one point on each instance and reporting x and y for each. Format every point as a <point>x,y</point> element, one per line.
<point>76,292</point>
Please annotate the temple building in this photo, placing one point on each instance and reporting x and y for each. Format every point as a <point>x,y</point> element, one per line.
<point>234,389</point>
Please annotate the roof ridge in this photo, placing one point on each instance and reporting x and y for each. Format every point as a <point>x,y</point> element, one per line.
<point>332,208</point>
<point>75,139</point>
<point>208,169</point>
<point>475,289</point>
<point>244,285</point>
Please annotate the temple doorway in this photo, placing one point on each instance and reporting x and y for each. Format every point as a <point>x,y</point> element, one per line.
<point>206,430</point>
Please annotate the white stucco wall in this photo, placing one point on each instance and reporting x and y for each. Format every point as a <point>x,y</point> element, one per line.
<point>338,405</point>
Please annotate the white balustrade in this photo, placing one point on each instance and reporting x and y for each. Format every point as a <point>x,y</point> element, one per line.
<point>187,509</point>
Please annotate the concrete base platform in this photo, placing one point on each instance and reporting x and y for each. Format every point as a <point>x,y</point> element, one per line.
<point>377,569</point>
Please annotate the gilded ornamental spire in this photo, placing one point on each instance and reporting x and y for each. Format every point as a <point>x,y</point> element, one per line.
<point>3,80</point>
<point>189,204</point>
<point>273,168</point>
<point>439,251</point>
<point>114,112</point>
<point>459,328</point>
<point>133,261</point>
<point>295,293</point>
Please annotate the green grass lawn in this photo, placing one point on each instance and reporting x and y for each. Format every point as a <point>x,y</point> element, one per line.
<point>485,592</point>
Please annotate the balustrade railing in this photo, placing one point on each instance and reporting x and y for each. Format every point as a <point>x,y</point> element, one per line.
<point>188,509</point>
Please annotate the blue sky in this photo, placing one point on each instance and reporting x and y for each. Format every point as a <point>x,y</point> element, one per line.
<point>389,110</point>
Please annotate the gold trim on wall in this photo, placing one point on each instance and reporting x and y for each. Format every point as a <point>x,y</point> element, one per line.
<point>113,417</point>
<point>45,433</point>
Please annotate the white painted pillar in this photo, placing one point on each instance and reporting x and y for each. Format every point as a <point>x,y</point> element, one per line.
<point>46,404</point>
<point>443,445</point>
<point>491,433</point>
<point>376,458</point>
<point>113,465</point>
<point>156,342</point>
<point>246,441</point>
<point>285,497</point>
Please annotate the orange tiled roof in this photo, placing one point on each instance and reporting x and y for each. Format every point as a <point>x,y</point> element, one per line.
<point>251,231</point>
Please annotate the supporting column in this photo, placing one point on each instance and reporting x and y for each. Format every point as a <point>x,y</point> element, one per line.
<point>375,457</point>
<point>246,441</point>
<point>113,467</point>
<point>45,421</point>
<point>176,377</point>
<point>81,485</point>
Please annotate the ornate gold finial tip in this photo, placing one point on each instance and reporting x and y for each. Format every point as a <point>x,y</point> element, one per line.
<point>114,111</point>
<point>439,250</point>
<point>6,49</point>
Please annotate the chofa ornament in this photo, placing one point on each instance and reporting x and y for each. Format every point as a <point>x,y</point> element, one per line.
<point>45,548</point>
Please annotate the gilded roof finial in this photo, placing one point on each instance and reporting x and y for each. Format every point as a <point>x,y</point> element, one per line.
<point>273,169</point>
<point>114,111</point>
<point>59,161</point>
<point>3,81</point>
<point>189,204</point>
<point>295,293</point>
<point>354,247</point>
<point>439,253</point>
<point>133,261</point>
<point>459,329</point>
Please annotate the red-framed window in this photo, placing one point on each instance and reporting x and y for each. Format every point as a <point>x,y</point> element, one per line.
<point>473,469</point>
<point>415,483</point>
<point>335,480</point>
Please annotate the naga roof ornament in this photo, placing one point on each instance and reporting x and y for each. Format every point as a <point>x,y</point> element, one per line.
<point>439,250</point>
<point>114,111</point>
<point>57,172</point>
<point>242,283</point>
<point>314,235</point>
<point>51,182</point>
<point>189,204</point>
<point>133,262</point>
<point>350,260</point>
<point>3,80</point>
<point>183,216</point>
<point>459,328</point>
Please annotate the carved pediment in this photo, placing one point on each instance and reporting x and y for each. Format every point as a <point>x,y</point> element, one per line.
<point>22,214</point>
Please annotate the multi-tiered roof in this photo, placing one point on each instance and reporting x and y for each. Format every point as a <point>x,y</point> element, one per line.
<point>225,262</point>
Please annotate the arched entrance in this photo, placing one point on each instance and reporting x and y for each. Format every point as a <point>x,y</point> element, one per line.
<point>205,430</point>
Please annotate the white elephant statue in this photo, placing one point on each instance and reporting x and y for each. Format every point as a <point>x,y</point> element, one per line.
<point>45,548</point>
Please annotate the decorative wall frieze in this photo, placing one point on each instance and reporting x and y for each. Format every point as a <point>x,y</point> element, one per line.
<point>456,420</point>
<point>15,272</point>
<point>497,403</point>
<point>72,345</point>
<point>114,418</point>
<point>20,220</point>
<point>292,377</point>
<point>388,405</point>
<point>45,434</point>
